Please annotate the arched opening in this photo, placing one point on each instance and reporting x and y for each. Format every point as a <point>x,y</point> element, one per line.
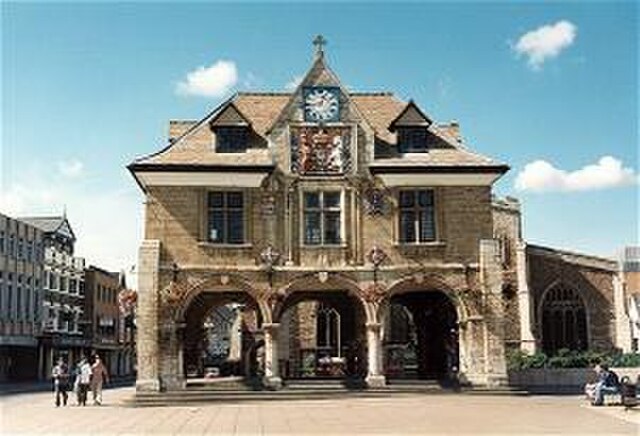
<point>222,337</point>
<point>421,336</point>
<point>564,320</point>
<point>322,336</point>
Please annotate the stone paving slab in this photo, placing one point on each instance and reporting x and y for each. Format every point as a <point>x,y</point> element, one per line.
<point>34,413</point>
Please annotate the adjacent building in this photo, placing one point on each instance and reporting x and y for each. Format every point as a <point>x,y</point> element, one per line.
<point>51,306</point>
<point>630,261</point>
<point>21,296</point>
<point>101,308</point>
<point>63,319</point>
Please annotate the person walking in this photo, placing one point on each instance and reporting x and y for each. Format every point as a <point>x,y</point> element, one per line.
<point>99,376</point>
<point>84,379</point>
<point>60,375</point>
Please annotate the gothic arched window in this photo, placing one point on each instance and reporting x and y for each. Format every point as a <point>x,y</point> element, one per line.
<point>564,320</point>
<point>399,325</point>
<point>328,329</point>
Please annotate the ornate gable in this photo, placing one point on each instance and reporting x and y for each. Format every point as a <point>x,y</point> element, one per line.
<point>320,123</point>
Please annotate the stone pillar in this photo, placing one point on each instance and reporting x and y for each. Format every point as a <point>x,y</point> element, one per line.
<point>623,323</point>
<point>375,378</point>
<point>147,316</point>
<point>170,365</point>
<point>271,370</point>
<point>527,340</point>
<point>495,367</point>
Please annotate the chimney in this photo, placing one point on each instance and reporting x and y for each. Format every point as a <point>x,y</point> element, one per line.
<point>454,130</point>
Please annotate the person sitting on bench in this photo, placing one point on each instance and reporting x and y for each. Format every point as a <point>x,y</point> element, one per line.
<point>608,383</point>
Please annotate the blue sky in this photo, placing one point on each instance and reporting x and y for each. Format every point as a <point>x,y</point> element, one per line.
<point>88,87</point>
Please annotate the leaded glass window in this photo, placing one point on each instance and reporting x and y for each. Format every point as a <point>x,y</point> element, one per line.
<point>231,139</point>
<point>417,216</point>
<point>226,217</point>
<point>412,139</point>
<point>564,320</point>
<point>328,329</point>
<point>322,218</point>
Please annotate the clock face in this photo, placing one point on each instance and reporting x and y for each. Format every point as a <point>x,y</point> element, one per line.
<point>321,104</point>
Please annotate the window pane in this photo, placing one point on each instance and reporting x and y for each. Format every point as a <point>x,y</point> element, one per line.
<point>231,139</point>
<point>412,139</point>
<point>216,226</point>
<point>331,199</point>
<point>234,199</point>
<point>216,199</point>
<point>312,234</point>
<point>311,200</point>
<point>407,227</point>
<point>332,228</point>
<point>236,227</point>
<point>425,198</point>
<point>407,198</point>
<point>427,225</point>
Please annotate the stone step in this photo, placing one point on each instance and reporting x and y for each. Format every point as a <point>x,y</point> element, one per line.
<point>324,384</point>
<point>194,397</point>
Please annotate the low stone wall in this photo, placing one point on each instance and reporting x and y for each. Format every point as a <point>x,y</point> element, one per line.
<point>562,379</point>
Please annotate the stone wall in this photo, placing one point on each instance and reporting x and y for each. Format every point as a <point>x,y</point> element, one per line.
<point>562,378</point>
<point>591,277</point>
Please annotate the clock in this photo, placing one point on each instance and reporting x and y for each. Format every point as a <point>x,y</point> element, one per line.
<point>321,104</point>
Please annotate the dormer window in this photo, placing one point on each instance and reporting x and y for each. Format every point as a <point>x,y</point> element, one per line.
<point>411,126</point>
<point>231,139</point>
<point>412,139</point>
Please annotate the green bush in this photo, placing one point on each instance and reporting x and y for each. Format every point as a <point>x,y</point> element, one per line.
<point>564,358</point>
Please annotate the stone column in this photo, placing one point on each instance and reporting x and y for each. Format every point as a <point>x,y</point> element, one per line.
<point>271,369</point>
<point>171,374</point>
<point>375,378</point>
<point>495,367</point>
<point>623,323</point>
<point>147,316</point>
<point>527,340</point>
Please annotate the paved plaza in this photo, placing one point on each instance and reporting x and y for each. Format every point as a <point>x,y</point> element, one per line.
<point>409,414</point>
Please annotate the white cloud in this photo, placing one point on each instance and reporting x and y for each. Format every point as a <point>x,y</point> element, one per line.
<point>546,42</point>
<point>72,168</point>
<point>107,222</point>
<point>215,80</point>
<point>608,172</point>
<point>293,83</point>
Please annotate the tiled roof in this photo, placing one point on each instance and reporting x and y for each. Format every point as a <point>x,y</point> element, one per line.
<point>193,146</point>
<point>49,224</point>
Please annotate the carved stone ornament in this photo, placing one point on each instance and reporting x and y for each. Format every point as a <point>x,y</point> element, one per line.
<point>323,276</point>
<point>418,278</point>
<point>174,292</point>
<point>374,293</point>
<point>224,280</point>
<point>269,257</point>
<point>374,201</point>
<point>377,256</point>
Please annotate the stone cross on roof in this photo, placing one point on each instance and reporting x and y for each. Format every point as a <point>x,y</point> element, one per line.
<point>319,41</point>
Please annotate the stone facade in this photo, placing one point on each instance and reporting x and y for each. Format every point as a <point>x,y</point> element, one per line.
<point>460,243</point>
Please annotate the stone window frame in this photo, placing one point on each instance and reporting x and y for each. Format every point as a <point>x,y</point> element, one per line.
<point>560,284</point>
<point>326,315</point>
<point>247,218</point>
<point>302,209</point>
<point>437,221</point>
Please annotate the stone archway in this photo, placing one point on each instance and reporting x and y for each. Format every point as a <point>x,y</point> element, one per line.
<point>421,337</point>
<point>220,335</point>
<point>321,319</point>
<point>185,304</point>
